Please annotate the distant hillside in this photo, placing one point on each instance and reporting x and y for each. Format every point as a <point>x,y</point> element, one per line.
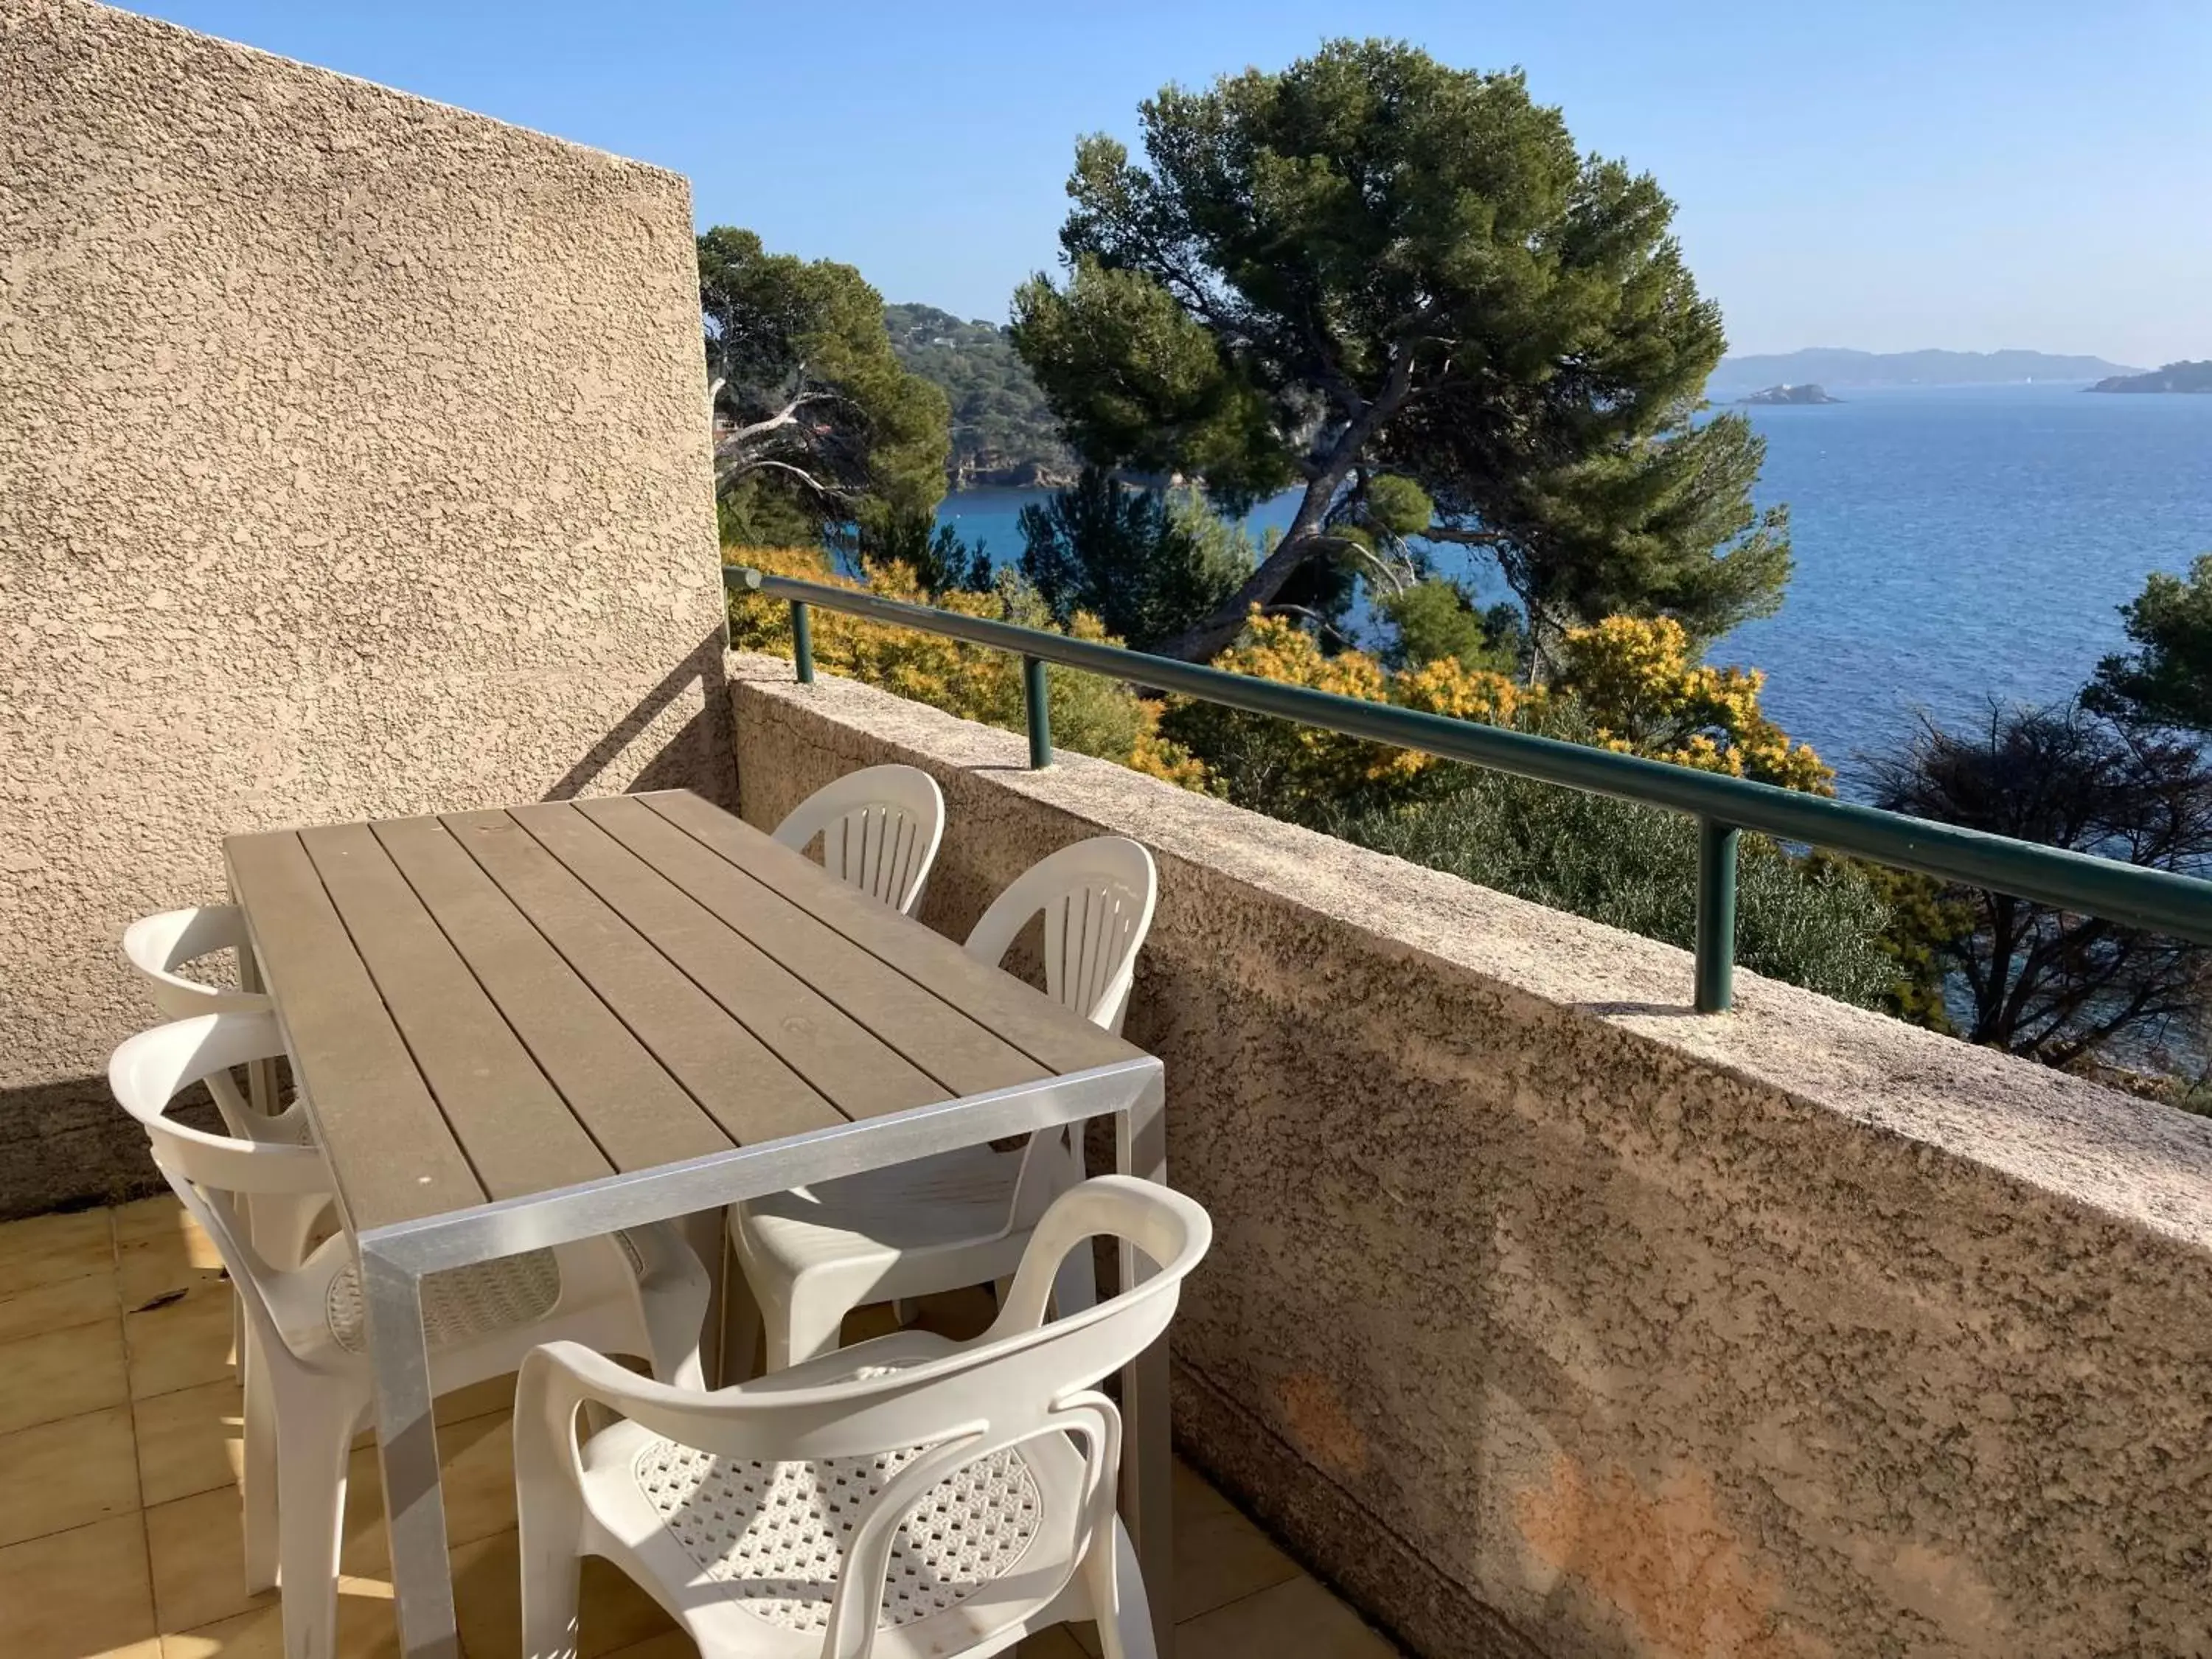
<point>1792,394</point>
<point>2174,377</point>
<point>1834,365</point>
<point>1003,431</point>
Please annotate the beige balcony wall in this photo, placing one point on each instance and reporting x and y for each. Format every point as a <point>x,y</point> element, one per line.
<point>1546,1316</point>
<point>353,461</point>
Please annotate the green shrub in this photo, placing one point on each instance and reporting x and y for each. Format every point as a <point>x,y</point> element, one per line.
<point>1817,923</point>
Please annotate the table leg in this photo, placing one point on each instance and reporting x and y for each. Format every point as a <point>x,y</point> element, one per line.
<point>407,1446</point>
<point>260,1074</point>
<point>1147,1448</point>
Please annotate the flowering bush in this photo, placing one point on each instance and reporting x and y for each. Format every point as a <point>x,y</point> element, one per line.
<point>1629,685</point>
<point>1645,695</point>
<point>1090,714</point>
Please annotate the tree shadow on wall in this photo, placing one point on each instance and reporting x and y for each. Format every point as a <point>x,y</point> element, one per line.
<point>701,755</point>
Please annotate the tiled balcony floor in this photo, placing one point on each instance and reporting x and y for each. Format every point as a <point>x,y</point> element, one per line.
<point>119,1513</point>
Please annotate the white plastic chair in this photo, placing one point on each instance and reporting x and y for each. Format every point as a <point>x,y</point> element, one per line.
<point>282,1226</point>
<point>813,1254</point>
<point>307,1387</point>
<point>879,829</point>
<point>906,1497</point>
<point>157,946</point>
<point>1096,898</point>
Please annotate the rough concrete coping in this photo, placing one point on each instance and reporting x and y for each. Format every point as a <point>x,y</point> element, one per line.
<point>2131,1160</point>
<point>56,13</point>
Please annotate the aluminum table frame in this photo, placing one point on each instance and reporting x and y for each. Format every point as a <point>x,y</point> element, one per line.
<point>395,1259</point>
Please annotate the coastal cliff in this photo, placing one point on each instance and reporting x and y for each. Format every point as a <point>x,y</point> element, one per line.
<point>2174,377</point>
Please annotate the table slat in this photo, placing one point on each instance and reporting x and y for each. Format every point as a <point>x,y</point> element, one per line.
<point>519,1133</point>
<point>1024,1016</point>
<point>637,1113</point>
<point>751,1093</point>
<point>839,1057</point>
<point>391,1150</point>
<point>966,1057</point>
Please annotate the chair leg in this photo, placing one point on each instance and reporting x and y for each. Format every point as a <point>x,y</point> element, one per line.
<point>808,1325</point>
<point>742,1327</point>
<point>550,1566</point>
<point>259,1478</point>
<point>674,1324</point>
<point>1118,1599</point>
<point>549,1514</point>
<point>311,1487</point>
<point>1075,1286</point>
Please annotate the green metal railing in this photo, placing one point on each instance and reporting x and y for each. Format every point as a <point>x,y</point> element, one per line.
<point>2155,899</point>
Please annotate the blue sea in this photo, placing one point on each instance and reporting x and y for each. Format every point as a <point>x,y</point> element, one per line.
<point>1951,545</point>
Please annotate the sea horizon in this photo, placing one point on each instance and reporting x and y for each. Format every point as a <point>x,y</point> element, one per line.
<point>1951,545</point>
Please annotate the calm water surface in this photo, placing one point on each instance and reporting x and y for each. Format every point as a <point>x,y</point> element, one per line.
<point>1951,545</point>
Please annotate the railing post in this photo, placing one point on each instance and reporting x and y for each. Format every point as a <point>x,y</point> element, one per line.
<point>802,641</point>
<point>1038,695</point>
<point>1716,916</point>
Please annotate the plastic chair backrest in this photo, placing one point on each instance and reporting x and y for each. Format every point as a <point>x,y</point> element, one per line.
<point>209,1172</point>
<point>157,946</point>
<point>1097,897</point>
<point>1021,1379</point>
<point>879,829</point>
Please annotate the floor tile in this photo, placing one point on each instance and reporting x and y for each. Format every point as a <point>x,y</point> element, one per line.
<point>85,1300</point>
<point>366,1630</point>
<point>668,1644</point>
<point>198,1555</point>
<point>66,1474</point>
<point>191,1440</point>
<point>1058,1642</point>
<point>61,1374</point>
<point>960,1314</point>
<point>866,1322</point>
<point>364,1548</point>
<point>78,1594</point>
<point>1298,1617</point>
<point>49,1249</point>
<point>1221,1557</point>
<point>161,1213</point>
<point>180,1343</point>
<point>487,1596</point>
<point>495,1394</point>
<point>1192,1496</point>
<point>160,1376</point>
<point>154,1263</point>
<point>475,1462</point>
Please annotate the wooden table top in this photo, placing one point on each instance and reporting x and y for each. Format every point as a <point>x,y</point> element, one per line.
<point>488,1005</point>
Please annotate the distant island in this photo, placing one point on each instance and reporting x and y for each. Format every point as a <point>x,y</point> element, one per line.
<point>1790,394</point>
<point>1003,431</point>
<point>1833,366</point>
<point>2174,377</point>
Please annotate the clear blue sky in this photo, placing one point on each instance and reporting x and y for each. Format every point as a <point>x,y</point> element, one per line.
<point>2020,172</point>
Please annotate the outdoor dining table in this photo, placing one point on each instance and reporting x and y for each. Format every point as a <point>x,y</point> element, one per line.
<point>517,1029</point>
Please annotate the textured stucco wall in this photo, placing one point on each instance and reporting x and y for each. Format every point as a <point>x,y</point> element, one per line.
<point>353,460</point>
<point>1546,1316</point>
